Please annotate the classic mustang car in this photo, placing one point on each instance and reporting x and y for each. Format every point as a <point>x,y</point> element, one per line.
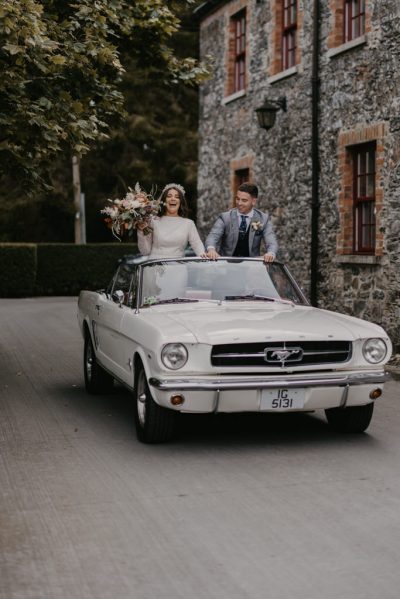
<point>232,335</point>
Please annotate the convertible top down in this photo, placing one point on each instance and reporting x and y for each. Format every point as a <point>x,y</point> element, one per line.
<point>232,335</point>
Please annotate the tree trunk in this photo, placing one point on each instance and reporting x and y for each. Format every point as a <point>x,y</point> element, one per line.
<point>76,183</point>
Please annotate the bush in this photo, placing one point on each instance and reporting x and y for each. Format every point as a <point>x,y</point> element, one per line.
<point>65,269</point>
<point>58,269</point>
<point>18,269</point>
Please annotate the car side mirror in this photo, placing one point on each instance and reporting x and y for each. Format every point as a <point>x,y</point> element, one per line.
<point>118,297</point>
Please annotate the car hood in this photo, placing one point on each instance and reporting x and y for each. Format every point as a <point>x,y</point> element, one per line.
<point>229,323</point>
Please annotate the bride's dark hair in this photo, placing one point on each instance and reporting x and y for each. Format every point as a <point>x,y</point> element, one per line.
<point>183,209</point>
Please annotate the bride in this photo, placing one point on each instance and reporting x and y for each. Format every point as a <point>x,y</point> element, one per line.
<point>172,231</point>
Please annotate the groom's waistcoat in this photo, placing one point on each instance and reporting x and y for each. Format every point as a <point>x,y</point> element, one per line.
<point>242,246</point>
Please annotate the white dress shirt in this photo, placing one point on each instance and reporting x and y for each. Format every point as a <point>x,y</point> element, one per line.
<point>248,216</point>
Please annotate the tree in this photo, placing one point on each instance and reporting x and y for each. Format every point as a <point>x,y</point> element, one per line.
<point>155,144</point>
<point>62,73</point>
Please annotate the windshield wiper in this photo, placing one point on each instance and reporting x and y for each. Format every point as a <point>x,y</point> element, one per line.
<point>173,300</point>
<point>252,297</point>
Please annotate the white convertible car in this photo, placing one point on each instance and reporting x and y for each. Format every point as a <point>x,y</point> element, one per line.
<point>232,335</point>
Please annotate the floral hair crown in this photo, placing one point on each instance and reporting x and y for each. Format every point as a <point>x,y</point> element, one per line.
<point>174,186</point>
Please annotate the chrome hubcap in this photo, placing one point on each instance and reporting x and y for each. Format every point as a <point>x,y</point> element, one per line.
<point>89,360</point>
<point>141,399</point>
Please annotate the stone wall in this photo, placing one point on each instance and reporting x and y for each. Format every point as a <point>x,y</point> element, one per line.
<point>359,86</point>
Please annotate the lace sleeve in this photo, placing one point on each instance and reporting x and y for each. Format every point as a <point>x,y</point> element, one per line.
<point>145,242</point>
<point>194,239</point>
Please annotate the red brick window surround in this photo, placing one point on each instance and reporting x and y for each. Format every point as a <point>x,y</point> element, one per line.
<point>286,25</point>
<point>289,33</point>
<point>350,20</point>
<point>354,19</point>
<point>241,171</point>
<point>237,49</point>
<point>361,159</point>
<point>239,27</point>
<point>364,174</point>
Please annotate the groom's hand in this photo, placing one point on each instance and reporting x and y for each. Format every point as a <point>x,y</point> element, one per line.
<point>212,254</point>
<point>268,258</point>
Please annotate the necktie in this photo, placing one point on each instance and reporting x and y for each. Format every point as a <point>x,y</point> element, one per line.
<point>243,225</point>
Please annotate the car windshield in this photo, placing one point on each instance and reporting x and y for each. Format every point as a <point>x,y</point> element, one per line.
<point>225,279</point>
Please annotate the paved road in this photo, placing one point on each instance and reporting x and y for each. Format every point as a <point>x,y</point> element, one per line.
<point>238,507</point>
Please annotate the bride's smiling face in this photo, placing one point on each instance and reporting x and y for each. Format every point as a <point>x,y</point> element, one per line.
<point>172,202</point>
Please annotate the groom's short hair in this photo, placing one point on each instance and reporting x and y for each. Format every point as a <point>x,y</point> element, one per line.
<point>249,188</point>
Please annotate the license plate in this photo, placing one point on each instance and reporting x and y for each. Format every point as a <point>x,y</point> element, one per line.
<point>282,400</point>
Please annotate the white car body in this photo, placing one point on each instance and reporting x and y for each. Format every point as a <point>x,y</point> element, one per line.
<point>277,354</point>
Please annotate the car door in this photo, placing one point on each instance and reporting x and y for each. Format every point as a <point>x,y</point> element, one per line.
<point>128,333</point>
<point>107,326</point>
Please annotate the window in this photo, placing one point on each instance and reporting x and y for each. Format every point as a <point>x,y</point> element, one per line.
<point>241,171</point>
<point>289,28</point>
<point>364,172</point>
<point>354,19</point>
<point>239,29</point>
<point>284,50</point>
<point>351,20</point>
<point>241,176</point>
<point>361,159</point>
<point>122,282</point>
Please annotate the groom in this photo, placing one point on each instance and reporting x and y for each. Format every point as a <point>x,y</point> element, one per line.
<point>238,232</point>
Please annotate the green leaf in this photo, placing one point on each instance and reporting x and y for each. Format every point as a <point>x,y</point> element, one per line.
<point>77,107</point>
<point>72,70</point>
<point>58,59</point>
<point>13,49</point>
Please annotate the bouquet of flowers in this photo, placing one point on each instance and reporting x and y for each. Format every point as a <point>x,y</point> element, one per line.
<point>136,208</point>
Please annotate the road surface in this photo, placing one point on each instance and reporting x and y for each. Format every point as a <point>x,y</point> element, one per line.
<point>238,507</point>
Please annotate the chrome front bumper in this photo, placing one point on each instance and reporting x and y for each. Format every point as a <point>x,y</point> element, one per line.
<point>377,377</point>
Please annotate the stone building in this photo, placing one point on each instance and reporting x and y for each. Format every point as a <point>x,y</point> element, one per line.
<point>329,168</point>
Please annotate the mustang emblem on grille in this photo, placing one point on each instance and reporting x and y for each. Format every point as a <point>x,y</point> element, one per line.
<point>283,354</point>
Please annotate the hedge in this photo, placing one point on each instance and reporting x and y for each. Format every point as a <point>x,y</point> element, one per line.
<point>17,269</point>
<point>58,269</point>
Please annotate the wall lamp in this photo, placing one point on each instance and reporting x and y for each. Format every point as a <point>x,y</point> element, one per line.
<point>266,114</point>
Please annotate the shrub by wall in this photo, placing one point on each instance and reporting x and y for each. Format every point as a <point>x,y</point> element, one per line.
<point>58,269</point>
<point>17,269</point>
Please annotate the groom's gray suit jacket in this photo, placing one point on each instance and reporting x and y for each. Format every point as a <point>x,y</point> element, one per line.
<point>224,234</point>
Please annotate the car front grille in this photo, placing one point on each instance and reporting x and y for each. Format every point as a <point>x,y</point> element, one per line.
<point>289,353</point>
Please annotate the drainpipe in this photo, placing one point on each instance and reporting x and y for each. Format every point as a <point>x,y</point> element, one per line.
<point>315,157</point>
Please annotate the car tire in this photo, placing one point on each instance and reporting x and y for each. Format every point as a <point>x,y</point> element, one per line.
<point>97,380</point>
<point>154,424</point>
<point>350,420</point>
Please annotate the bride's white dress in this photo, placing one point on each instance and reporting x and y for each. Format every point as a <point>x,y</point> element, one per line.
<point>170,237</point>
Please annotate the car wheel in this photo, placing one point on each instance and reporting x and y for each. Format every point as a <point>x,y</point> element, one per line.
<point>97,380</point>
<point>154,424</point>
<point>350,420</point>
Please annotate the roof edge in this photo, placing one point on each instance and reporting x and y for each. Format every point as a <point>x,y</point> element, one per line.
<point>207,7</point>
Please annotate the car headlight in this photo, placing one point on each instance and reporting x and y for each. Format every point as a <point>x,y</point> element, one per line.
<point>174,355</point>
<point>374,350</point>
